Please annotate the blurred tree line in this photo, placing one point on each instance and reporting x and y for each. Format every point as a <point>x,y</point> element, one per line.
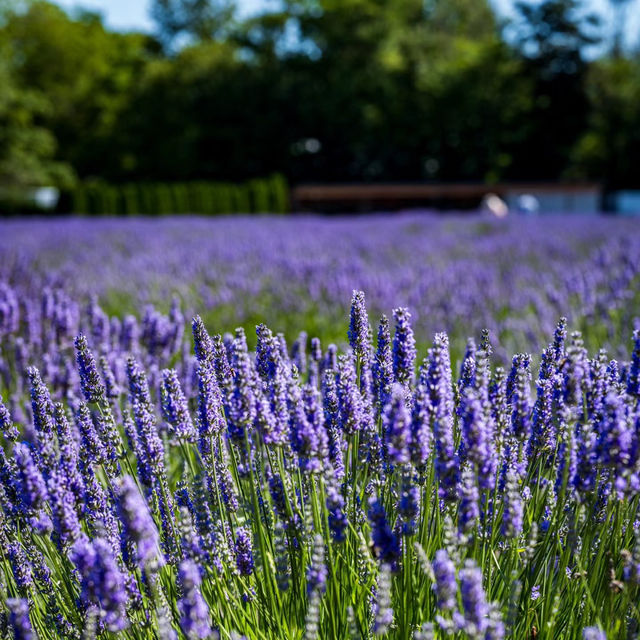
<point>319,90</point>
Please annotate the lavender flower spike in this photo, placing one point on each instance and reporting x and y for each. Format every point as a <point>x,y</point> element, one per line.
<point>244,552</point>
<point>194,612</point>
<point>445,586</point>
<point>174,406</point>
<point>19,619</point>
<point>92,386</point>
<point>359,326</point>
<point>138,527</point>
<point>404,347</point>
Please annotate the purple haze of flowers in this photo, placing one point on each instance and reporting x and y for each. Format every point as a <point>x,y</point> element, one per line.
<point>194,612</point>
<point>593,633</point>
<point>244,552</point>
<point>445,586</point>
<point>102,582</point>
<point>396,424</point>
<point>19,619</point>
<point>92,386</point>
<point>138,527</point>
<point>404,347</point>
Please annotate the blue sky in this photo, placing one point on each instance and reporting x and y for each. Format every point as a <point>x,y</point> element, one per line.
<point>133,14</point>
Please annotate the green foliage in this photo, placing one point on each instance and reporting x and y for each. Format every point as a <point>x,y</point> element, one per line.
<point>611,143</point>
<point>27,149</point>
<point>269,195</point>
<point>318,90</point>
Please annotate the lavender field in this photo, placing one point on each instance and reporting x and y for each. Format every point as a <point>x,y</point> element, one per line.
<point>401,427</point>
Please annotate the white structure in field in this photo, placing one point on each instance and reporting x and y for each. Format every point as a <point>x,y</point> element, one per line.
<point>554,198</point>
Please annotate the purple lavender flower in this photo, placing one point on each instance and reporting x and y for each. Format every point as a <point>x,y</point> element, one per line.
<point>143,411</point>
<point>445,586</point>
<point>112,389</point>
<point>19,619</point>
<point>615,434</point>
<point>404,347</point>
<point>359,326</point>
<point>41,405</point>
<point>317,571</point>
<point>408,506</point>
<point>383,364</point>
<point>593,633</point>
<point>337,517</point>
<point>241,405</point>
<point>383,611</point>
<point>331,420</point>
<point>437,378</point>
<point>474,604</point>
<point>20,566</point>
<point>513,507</point>
<point>32,487</point>
<point>396,423</point>
<point>244,552</point>
<point>477,441</point>
<point>92,446</point>
<point>92,386</point>
<point>9,430</point>
<point>386,545</point>
<point>469,509</point>
<point>521,400</point>
<point>633,380</point>
<point>194,612</point>
<point>299,353</point>
<point>468,367</point>
<point>138,527</point>
<point>102,581</point>
<point>421,436</point>
<point>174,406</point>
<point>66,524</point>
<point>315,360</point>
<point>349,397</point>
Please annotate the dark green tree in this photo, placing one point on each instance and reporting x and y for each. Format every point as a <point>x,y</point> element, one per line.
<point>552,37</point>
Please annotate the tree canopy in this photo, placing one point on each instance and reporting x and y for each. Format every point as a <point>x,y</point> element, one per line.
<point>320,90</point>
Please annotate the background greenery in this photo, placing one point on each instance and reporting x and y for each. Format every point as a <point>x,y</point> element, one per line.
<point>320,90</point>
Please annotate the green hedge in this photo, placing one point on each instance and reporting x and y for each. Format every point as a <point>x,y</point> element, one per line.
<point>264,195</point>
